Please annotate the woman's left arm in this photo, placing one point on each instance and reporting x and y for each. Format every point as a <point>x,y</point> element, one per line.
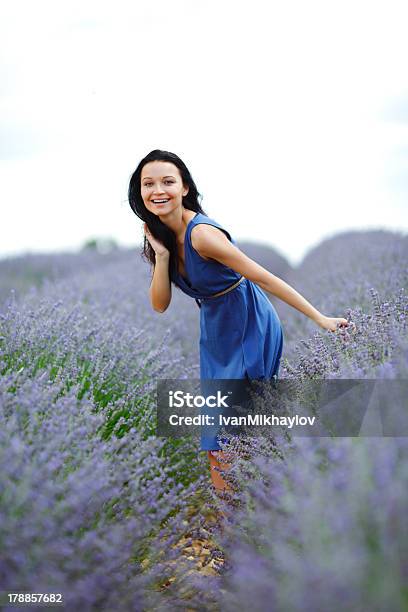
<point>211,242</point>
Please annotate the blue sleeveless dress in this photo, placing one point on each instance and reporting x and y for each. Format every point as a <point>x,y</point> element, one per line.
<point>241,335</point>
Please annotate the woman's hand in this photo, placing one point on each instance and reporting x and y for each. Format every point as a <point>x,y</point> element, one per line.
<point>334,323</point>
<point>157,246</point>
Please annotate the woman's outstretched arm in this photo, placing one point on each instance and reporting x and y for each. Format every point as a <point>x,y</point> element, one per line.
<point>211,242</point>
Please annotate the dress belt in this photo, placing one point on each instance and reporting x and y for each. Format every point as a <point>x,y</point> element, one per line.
<point>227,290</point>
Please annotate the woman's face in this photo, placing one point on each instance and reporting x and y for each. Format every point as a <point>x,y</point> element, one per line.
<point>161,180</point>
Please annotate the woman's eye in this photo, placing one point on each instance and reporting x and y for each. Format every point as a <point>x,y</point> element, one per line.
<point>167,182</point>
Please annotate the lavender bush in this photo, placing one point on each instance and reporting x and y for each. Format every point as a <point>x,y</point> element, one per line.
<point>18,274</point>
<point>78,514</point>
<point>88,492</point>
<point>322,526</point>
<point>339,274</point>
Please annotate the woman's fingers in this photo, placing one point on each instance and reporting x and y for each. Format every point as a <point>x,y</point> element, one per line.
<point>335,323</point>
<point>345,323</point>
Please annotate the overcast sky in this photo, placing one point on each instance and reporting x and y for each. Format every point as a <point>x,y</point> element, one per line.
<point>292,116</point>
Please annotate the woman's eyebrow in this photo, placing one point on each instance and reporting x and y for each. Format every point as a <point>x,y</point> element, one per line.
<point>149,177</point>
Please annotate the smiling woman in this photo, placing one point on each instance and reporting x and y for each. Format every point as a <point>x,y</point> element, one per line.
<point>241,336</point>
<point>164,176</point>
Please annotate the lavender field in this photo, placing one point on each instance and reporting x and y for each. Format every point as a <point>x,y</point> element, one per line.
<point>93,505</point>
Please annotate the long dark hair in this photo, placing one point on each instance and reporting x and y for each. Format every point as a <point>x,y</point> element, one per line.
<point>159,230</point>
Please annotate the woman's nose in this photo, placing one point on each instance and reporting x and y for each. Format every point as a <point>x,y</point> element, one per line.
<point>158,189</point>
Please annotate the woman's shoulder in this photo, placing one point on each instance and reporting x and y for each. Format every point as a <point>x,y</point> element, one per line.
<point>206,229</point>
<point>202,220</point>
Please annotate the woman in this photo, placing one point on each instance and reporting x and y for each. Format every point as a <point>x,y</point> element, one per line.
<point>240,332</point>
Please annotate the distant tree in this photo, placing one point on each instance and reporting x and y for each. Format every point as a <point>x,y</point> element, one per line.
<point>90,244</point>
<point>102,245</point>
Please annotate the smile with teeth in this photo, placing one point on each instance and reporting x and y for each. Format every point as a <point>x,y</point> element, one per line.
<point>160,201</point>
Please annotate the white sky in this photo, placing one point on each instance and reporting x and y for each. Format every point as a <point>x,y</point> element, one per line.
<point>292,116</point>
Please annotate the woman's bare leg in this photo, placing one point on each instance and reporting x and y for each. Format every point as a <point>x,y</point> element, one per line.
<point>219,461</point>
